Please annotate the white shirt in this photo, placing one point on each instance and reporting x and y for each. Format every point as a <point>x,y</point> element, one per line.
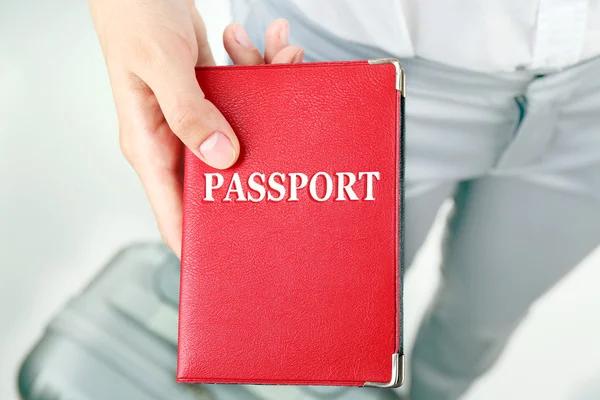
<point>482,35</point>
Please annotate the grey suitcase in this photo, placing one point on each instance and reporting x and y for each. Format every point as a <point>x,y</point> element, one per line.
<point>117,340</point>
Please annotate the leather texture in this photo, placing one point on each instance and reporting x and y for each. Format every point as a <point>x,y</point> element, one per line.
<point>295,292</point>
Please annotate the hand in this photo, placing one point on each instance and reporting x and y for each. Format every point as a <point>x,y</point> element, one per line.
<point>151,48</point>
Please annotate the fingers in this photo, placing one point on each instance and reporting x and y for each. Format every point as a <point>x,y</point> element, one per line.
<point>276,38</point>
<point>240,47</point>
<point>195,120</point>
<point>243,52</point>
<point>153,151</point>
<point>164,189</point>
<point>290,54</point>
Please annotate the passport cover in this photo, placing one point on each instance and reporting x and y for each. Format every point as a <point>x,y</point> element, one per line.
<point>291,264</point>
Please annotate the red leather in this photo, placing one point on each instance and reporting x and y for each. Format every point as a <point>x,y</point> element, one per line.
<point>303,292</point>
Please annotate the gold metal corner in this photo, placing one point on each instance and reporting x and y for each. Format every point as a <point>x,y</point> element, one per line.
<point>397,374</point>
<point>400,73</point>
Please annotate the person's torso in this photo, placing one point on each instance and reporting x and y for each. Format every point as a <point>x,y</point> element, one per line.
<point>482,35</point>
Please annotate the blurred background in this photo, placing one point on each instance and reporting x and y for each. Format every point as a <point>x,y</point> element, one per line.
<point>69,201</point>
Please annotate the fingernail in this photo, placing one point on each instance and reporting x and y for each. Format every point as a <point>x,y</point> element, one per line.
<point>217,150</point>
<point>241,36</point>
<point>284,34</point>
<point>298,57</point>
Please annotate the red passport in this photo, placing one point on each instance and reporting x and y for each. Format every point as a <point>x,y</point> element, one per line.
<point>291,267</point>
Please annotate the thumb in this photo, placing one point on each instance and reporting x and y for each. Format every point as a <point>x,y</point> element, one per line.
<point>194,119</point>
